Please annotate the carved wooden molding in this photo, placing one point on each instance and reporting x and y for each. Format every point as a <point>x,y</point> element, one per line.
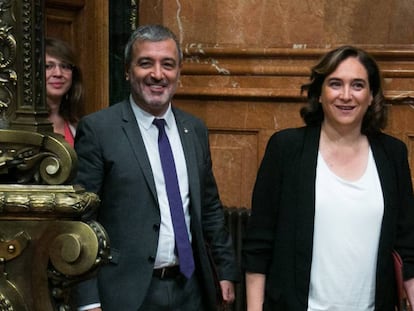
<point>296,52</point>
<point>65,4</point>
<point>401,98</point>
<point>240,93</point>
<point>261,73</point>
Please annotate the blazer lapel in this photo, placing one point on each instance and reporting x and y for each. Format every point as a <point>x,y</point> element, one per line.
<point>305,208</point>
<point>388,180</point>
<point>131,129</point>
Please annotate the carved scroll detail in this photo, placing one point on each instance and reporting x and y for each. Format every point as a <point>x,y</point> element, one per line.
<point>32,158</point>
<point>8,52</point>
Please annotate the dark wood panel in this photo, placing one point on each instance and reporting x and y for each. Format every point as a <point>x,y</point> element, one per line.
<point>62,24</point>
<point>65,4</point>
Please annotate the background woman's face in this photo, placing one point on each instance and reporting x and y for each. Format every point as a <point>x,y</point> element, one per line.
<point>58,77</point>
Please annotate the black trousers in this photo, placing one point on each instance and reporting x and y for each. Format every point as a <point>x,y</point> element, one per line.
<point>176,294</point>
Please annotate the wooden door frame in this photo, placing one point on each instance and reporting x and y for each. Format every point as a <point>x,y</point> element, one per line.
<point>84,24</point>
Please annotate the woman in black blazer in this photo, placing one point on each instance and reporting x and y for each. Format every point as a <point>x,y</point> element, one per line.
<point>332,200</point>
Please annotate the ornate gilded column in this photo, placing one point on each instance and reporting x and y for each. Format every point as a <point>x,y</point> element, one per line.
<point>45,247</point>
<point>22,98</point>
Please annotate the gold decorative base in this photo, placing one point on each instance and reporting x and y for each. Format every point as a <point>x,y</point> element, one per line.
<point>44,246</point>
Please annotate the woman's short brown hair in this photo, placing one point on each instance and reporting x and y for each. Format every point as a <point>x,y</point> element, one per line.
<point>375,118</point>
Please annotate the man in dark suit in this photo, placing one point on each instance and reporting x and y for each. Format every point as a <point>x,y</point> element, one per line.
<point>119,159</point>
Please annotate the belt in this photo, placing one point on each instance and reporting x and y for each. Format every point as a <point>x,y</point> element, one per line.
<point>167,272</point>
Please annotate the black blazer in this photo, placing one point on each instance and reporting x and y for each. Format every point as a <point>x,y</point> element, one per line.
<point>280,238</point>
<point>113,163</point>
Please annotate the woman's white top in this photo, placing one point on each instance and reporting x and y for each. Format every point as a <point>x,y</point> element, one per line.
<point>348,216</point>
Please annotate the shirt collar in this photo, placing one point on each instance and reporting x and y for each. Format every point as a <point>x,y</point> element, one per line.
<point>145,119</point>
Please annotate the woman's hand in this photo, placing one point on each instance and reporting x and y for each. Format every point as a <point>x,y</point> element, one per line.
<point>409,290</point>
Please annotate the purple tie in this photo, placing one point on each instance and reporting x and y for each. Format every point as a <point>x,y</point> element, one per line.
<point>182,242</point>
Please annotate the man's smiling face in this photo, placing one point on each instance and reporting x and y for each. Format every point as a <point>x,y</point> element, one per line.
<point>153,74</point>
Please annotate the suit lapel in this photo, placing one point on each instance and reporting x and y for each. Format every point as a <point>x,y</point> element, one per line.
<point>189,138</point>
<point>131,129</point>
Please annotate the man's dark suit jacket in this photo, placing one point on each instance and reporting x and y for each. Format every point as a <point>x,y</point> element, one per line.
<point>279,243</point>
<point>113,163</point>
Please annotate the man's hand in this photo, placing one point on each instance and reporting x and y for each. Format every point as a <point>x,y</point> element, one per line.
<point>227,291</point>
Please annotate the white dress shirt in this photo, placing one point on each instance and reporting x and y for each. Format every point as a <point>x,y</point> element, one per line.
<point>166,255</point>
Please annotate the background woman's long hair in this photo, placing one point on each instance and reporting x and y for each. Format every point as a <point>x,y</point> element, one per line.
<point>72,103</point>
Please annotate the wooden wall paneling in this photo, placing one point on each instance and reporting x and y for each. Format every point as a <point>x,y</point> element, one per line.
<point>245,95</point>
<point>234,154</point>
<point>284,23</point>
<point>62,24</point>
<point>245,62</point>
<point>96,55</point>
<point>401,125</point>
<point>410,146</point>
<point>151,12</point>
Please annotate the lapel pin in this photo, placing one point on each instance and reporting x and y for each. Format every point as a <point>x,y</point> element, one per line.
<point>185,130</point>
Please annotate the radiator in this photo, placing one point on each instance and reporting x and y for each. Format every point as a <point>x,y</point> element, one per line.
<point>236,221</point>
